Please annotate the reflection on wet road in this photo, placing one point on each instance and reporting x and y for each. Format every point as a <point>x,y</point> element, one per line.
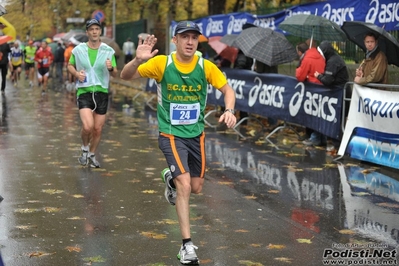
<point>260,205</point>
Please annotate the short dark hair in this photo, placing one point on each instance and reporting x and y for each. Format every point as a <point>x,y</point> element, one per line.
<point>302,47</point>
<point>371,34</point>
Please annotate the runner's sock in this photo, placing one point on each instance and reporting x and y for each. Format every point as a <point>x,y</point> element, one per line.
<point>186,240</point>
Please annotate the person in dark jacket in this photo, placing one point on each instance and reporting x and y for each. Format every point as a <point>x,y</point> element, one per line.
<point>59,62</point>
<point>335,75</point>
<point>335,72</point>
<point>243,62</point>
<point>4,51</point>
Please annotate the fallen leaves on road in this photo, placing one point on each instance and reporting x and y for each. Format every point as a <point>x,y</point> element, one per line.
<point>75,249</point>
<point>283,259</point>
<point>153,235</point>
<point>39,254</point>
<point>273,246</point>
<point>388,205</point>
<point>94,259</point>
<point>52,191</point>
<point>346,232</point>
<point>249,263</point>
<point>149,191</point>
<point>304,241</point>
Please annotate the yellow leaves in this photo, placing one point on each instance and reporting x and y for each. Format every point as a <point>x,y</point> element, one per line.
<point>284,259</point>
<point>94,259</point>
<point>153,235</point>
<point>52,191</point>
<point>149,191</point>
<point>304,240</point>
<point>360,194</point>
<point>367,171</point>
<point>346,231</point>
<point>225,183</point>
<point>75,249</point>
<point>273,246</point>
<point>27,210</point>
<point>51,209</point>
<point>250,197</point>
<point>388,205</point>
<point>273,191</point>
<point>249,263</point>
<point>168,221</point>
<point>39,254</point>
<point>76,218</point>
<point>316,169</point>
<point>256,245</point>
<point>241,231</point>
<point>77,196</point>
<point>25,227</point>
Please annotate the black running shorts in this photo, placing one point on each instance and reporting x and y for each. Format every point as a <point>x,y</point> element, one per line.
<point>96,101</point>
<point>184,154</point>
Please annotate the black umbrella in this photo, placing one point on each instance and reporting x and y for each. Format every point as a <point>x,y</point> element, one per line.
<point>79,38</point>
<point>356,30</point>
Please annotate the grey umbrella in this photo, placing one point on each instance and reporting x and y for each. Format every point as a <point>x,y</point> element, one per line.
<point>309,26</point>
<point>266,46</point>
<point>356,30</point>
<point>229,39</point>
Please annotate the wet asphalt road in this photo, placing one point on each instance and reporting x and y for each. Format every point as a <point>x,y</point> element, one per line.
<point>262,204</point>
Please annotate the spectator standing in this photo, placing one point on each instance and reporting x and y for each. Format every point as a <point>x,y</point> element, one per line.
<point>311,62</point>
<point>243,62</point>
<point>335,75</point>
<point>59,62</point>
<point>129,50</point>
<point>182,137</point>
<point>5,50</point>
<point>374,68</point>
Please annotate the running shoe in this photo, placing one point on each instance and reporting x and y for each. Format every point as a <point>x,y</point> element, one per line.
<point>83,158</point>
<point>170,193</point>
<point>93,162</point>
<point>187,255</point>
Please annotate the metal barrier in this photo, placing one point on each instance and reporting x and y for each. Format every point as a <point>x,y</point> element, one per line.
<point>348,85</point>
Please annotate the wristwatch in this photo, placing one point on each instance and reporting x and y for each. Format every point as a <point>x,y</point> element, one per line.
<point>111,69</point>
<point>229,110</point>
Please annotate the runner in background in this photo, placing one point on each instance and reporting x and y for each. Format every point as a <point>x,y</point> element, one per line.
<point>16,60</point>
<point>29,56</point>
<point>44,58</point>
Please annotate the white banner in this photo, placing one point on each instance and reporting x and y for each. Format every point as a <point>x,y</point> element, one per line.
<point>372,129</point>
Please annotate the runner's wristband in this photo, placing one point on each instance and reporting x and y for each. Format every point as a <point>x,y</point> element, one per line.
<point>111,69</point>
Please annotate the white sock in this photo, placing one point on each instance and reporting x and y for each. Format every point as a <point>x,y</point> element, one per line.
<point>85,148</point>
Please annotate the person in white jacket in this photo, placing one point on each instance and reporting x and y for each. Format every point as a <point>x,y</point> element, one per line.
<point>129,50</point>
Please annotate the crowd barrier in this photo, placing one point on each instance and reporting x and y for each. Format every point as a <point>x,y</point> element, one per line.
<point>371,132</point>
<point>281,97</point>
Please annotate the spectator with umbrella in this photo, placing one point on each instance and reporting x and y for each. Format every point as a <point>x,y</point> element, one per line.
<point>374,68</point>
<point>376,43</point>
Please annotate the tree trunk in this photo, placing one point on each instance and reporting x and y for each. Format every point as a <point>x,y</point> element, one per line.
<point>216,7</point>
